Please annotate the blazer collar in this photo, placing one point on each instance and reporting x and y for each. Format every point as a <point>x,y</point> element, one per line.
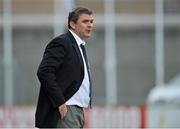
<point>71,37</point>
<point>75,45</point>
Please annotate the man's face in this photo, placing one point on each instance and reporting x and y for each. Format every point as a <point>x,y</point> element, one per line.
<point>83,26</point>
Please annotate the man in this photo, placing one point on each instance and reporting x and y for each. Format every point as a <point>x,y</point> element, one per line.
<point>64,75</point>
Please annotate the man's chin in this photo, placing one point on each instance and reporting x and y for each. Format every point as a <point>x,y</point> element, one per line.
<point>89,35</point>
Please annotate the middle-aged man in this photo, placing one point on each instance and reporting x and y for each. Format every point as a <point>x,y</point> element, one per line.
<point>64,75</point>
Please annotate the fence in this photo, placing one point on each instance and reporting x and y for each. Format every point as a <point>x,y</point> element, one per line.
<point>102,117</point>
<point>120,116</point>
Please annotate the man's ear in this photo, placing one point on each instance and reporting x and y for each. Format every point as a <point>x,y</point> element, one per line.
<point>72,24</point>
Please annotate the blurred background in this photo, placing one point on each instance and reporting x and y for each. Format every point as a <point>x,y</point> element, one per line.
<point>134,53</point>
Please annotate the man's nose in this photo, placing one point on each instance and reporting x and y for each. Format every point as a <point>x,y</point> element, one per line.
<point>90,25</point>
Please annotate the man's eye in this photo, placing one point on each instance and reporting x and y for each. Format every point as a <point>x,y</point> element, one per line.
<point>85,21</point>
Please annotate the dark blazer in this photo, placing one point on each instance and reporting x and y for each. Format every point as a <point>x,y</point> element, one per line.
<point>60,73</point>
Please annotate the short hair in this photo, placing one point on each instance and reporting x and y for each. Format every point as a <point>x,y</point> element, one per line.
<point>74,15</point>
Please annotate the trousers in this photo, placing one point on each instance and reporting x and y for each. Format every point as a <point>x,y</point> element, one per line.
<point>73,119</point>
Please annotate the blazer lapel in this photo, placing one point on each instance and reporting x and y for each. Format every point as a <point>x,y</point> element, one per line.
<point>75,46</point>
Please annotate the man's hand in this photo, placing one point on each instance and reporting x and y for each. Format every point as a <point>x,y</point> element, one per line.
<point>62,110</point>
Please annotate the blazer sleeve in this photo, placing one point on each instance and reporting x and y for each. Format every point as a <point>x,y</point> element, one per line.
<point>53,58</point>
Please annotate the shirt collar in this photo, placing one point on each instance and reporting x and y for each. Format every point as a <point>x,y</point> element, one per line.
<point>77,38</point>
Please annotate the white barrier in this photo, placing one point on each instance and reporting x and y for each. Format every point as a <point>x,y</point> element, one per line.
<point>116,117</point>
<point>98,117</point>
<point>102,117</point>
<point>17,117</point>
